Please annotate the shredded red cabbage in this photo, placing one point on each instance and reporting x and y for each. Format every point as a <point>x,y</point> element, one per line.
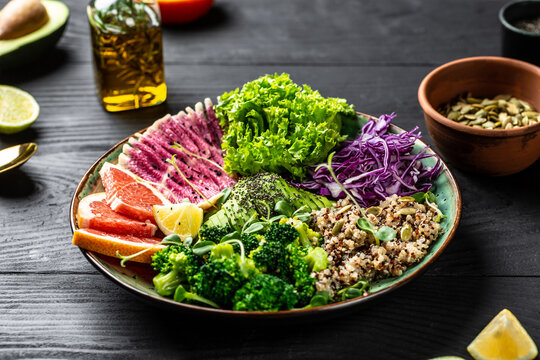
<point>375,165</point>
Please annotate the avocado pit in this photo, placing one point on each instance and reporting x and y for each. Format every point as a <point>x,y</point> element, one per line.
<point>22,17</point>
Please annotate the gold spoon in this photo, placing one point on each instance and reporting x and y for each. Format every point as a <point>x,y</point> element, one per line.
<point>16,155</point>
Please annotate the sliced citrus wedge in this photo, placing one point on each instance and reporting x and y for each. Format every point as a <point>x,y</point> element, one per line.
<point>109,244</point>
<point>184,219</point>
<point>503,338</point>
<point>18,110</point>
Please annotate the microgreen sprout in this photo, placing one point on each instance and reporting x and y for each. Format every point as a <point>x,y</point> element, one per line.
<point>203,247</point>
<point>126,258</point>
<point>181,294</point>
<point>284,208</point>
<point>236,241</point>
<point>183,149</point>
<point>172,239</point>
<point>268,211</point>
<point>319,299</point>
<point>385,233</point>
<point>173,162</point>
<point>354,291</point>
<point>430,199</point>
<point>250,220</point>
<point>440,215</point>
<point>328,166</point>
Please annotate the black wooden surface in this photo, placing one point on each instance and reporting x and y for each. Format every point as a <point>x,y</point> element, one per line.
<point>53,304</point>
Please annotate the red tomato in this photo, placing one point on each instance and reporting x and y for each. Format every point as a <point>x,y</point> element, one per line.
<point>183,11</point>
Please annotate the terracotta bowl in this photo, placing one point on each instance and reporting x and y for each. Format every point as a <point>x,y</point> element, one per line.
<point>494,152</point>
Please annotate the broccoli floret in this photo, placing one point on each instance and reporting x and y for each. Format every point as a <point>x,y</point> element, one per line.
<point>250,241</point>
<point>281,233</point>
<point>299,275</point>
<point>265,293</point>
<point>306,236</point>
<point>213,233</point>
<point>317,259</point>
<point>161,261</point>
<point>219,280</point>
<point>176,264</point>
<point>271,257</point>
<point>166,283</point>
<point>222,251</point>
<point>287,263</point>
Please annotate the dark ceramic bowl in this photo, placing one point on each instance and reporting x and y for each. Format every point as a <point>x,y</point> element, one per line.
<point>494,152</point>
<point>518,43</point>
<point>137,278</point>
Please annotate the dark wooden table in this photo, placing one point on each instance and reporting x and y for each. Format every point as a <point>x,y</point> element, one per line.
<point>54,304</point>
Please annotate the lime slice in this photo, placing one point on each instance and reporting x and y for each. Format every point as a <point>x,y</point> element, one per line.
<point>18,110</point>
<point>184,219</point>
<point>503,338</point>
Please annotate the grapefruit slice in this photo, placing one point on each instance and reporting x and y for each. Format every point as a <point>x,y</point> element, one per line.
<point>114,178</point>
<point>94,213</point>
<point>108,244</point>
<point>127,196</point>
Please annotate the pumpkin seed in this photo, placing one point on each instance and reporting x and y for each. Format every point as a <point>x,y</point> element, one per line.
<point>478,121</point>
<point>406,199</point>
<point>407,211</point>
<point>343,209</point>
<point>374,210</point>
<point>501,112</point>
<point>530,114</point>
<point>453,115</point>
<point>512,109</point>
<point>488,125</point>
<point>525,105</point>
<point>406,232</point>
<point>337,227</point>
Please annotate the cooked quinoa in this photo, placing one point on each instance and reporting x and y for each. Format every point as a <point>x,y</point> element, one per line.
<point>353,254</point>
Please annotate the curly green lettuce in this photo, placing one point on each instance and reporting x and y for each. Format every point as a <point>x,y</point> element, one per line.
<point>275,125</point>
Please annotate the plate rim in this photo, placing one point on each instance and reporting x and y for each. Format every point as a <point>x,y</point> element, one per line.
<point>333,307</point>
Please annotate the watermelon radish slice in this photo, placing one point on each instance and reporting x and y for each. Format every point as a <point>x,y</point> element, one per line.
<point>127,196</point>
<point>95,213</point>
<point>198,131</point>
<point>108,244</point>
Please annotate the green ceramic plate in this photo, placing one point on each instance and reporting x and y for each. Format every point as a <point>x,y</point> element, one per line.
<point>137,278</point>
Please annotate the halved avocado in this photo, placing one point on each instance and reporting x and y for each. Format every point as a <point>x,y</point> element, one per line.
<point>28,48</point>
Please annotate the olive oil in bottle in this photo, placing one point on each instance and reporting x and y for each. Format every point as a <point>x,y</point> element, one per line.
<point>127,53</point>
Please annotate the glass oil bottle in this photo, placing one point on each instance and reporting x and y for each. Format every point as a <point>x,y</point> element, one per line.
<point>127,53</point>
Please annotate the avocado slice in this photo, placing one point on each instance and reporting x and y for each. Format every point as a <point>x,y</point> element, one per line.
<point>30,47</point>
<point>247,194</point>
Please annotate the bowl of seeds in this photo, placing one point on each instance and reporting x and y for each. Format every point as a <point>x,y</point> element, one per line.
<point>483,113</point>
<point>520,24</point>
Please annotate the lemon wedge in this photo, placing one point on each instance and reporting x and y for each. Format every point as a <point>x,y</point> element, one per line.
<point>18,110</point>
<point>184,219</point>
<point>503,338</point>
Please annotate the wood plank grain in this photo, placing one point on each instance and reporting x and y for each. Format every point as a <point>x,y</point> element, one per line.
<point>85,316</point>
<point>322,32</point>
